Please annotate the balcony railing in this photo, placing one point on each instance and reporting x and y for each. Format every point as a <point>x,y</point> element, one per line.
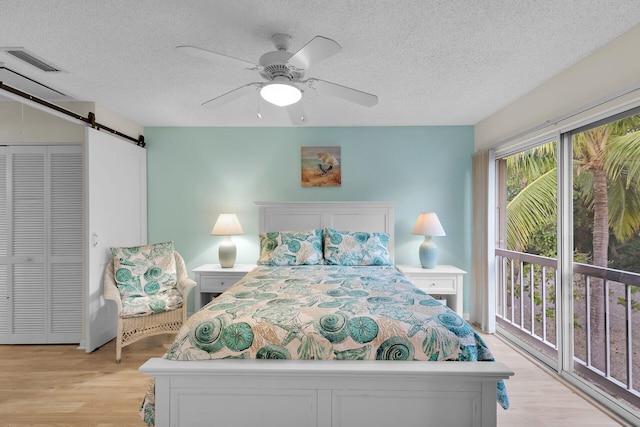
<point>603,306</point>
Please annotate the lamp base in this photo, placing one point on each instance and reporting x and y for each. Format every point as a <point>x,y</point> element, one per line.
<point>428,253</point>
<point>227,253</point>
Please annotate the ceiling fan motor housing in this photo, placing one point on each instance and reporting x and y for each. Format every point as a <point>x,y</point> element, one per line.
<point>275,64</point>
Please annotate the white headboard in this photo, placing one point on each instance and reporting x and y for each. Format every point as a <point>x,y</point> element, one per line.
<point>375,217</point>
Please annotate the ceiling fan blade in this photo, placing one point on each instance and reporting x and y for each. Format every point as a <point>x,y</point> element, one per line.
<point>346,93</point>
<point>232,95</point>
<point>296,113</point>
<point>209,55</point>
<point>318,49</point>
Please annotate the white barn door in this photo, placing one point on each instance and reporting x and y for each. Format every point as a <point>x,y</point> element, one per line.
<point>116,215</point>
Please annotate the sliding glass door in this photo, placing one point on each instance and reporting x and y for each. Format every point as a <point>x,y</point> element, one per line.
<point>568,256</point>
<point>526,248</point>
<point>606,255</point>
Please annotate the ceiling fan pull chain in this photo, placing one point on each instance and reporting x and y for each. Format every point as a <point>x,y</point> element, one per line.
<point>258,102</point>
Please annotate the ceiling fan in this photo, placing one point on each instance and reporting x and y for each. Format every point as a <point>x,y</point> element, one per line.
<point>283,72</point>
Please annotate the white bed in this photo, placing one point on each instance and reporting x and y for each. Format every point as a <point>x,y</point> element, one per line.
<point>325,393</point>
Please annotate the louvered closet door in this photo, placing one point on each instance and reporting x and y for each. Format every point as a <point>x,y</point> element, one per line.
<point>36,281</point>
<point>5,306</point>
<point>26,244</point>
<point>65,244</point>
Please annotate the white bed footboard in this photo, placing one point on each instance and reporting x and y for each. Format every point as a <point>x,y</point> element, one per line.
<point>301,393</point>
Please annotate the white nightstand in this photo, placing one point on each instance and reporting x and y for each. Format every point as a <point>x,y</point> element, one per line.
<point>213,279</point>
<point>440,280</point>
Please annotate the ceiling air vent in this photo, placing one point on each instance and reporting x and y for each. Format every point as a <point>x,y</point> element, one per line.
<point>31,59</point>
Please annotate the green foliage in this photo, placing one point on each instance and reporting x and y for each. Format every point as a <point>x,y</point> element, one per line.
<point>531,210</point>
<point>531,196</point>
<point>635,305</point>
<point>582,228</point>
<point>626,256</point>
<point>545,241</point>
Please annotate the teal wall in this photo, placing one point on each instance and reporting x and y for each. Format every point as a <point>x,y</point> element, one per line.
<point>193,174</point>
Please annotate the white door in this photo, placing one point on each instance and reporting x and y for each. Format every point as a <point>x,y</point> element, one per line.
<point>40,244</point>
<point>116,215</point>
<point>64,243</point>
<point>24,254</point>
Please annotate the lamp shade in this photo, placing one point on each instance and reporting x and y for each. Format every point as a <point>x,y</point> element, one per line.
<point>280,92</point>
<point>227,225</point>
<point>428,224</point>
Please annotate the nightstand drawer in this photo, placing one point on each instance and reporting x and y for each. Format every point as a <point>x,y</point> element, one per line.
<point>435,285</point>
<point>213,280</point>
<point>440,280</point>
<point>216,284</point>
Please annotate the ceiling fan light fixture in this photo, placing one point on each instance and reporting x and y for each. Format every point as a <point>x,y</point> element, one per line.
<point>280,94</point>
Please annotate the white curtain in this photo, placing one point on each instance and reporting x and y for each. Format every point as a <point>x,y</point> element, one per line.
<point>482,301</point>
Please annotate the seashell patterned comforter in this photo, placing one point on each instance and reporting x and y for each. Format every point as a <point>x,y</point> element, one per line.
<point>326,312</point>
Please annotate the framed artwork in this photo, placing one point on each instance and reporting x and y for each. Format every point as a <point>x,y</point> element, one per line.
<point>320,167</point>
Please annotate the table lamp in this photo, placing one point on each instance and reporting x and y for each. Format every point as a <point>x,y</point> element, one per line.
<point>428,225</point>
<point>227,225</point>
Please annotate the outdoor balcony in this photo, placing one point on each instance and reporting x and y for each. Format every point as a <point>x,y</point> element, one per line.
<point>526,310</point>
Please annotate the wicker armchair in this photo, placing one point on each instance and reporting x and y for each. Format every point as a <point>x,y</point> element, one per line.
<point>132,329</point>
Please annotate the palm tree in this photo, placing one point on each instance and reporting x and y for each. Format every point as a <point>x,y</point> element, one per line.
<point>534,204</point>
<point>606,163</point>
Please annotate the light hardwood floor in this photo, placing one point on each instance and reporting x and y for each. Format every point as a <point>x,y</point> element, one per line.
<point>58,385</point>
<point>537,398</point>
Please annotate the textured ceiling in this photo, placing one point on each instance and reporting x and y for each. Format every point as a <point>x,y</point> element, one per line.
<point>439,62</point>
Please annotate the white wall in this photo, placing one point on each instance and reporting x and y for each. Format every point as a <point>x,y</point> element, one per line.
<point>607,73</point>
<point>20,123</point>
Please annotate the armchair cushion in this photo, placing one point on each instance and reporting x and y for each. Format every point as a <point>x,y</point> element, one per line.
<point>146,279</point>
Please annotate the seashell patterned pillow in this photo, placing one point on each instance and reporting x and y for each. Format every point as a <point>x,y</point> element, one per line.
<point>356,248</point>
<point>302,247</point>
